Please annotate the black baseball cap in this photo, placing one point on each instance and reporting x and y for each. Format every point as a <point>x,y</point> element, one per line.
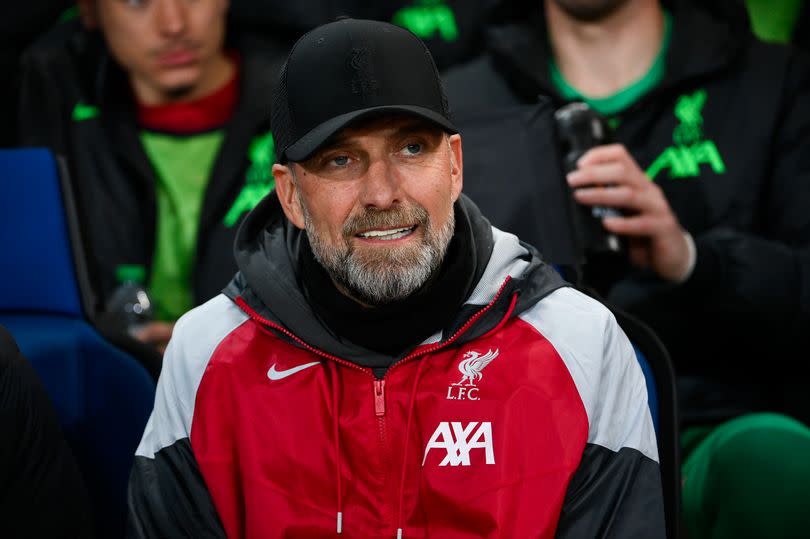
<point>350,69</point>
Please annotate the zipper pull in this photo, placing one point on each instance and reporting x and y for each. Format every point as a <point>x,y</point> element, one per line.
<point>379,397</point>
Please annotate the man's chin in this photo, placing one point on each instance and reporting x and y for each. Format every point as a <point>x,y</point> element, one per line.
<point>179,92</point>
<point>382,257</point>
<point>177,83</point>
<point>383,284</point>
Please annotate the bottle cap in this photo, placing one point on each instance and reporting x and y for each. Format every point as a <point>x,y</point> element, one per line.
<point>130,272</point>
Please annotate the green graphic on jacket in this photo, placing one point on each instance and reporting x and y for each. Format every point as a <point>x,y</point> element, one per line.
<point>83,111</point>
<point>690,150</point>
<point>258,178</point>
<point>426,18</point>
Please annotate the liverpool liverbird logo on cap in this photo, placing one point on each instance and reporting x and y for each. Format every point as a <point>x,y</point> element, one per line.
<point>472,365</point>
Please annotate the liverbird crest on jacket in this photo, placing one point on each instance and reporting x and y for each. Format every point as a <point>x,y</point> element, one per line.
<point>472,365</point>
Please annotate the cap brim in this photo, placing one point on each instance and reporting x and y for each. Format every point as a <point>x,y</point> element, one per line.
<point>317,137</point>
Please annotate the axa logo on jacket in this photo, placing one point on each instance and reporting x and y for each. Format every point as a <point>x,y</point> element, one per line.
<point>691,150</point>
<point>459,439</point>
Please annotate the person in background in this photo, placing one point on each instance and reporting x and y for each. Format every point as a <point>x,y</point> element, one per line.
<point>42,493</point>
<point>710,170</point>
<point>163,123</point>
<point>780,21</point>
<point>382,337</point>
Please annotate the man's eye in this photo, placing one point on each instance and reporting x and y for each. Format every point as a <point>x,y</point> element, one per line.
<point>340,160</point>
<point>135,3</point>
<point>413,149</point>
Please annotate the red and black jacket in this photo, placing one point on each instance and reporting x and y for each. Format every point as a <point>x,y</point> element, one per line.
<point>526,416</point>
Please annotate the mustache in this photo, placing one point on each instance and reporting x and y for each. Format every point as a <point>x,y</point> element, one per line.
<point>373,218</point>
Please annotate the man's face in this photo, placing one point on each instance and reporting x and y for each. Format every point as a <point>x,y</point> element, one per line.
<point>377,205</point>
<point>589,10</point>
<point>168,47</point>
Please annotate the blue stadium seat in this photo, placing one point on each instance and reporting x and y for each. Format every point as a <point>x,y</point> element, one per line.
<point>652,391</point>
<point>103,396</point>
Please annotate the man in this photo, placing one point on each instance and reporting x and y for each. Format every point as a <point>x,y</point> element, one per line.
<point>385,363</point>
<point>782,21</point>
<point>165,130</point>
<point>718,240</point>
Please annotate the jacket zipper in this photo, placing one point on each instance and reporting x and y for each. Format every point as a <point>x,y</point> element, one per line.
<point>379,397</point>
<point>378,387</point>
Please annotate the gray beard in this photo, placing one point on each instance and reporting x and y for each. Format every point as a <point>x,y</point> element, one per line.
<point>387,275</point>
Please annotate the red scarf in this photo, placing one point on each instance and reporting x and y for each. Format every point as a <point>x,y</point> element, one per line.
<point>189,117</point>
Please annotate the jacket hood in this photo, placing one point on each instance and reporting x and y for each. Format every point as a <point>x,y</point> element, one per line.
<point>705,39</point>
<point>267,251</point>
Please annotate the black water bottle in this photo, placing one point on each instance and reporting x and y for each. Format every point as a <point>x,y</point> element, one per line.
<point>580,128</point>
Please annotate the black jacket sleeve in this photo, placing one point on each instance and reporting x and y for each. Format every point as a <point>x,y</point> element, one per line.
<point>168,498</point>
<point>616,490</point>
<point>769,272</point>
<point>41,491</point>
<point>167,494</point>
<point>613,494</point>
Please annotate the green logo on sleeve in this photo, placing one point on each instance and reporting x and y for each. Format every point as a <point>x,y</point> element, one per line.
<point>690,150</point>
<point>426,18</point>
<point>258,178</point>
<point>82,112</point>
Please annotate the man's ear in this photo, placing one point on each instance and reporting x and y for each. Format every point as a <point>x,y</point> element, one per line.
<point>286,190</point>
<point>88,13</point>
<point>456,165</point>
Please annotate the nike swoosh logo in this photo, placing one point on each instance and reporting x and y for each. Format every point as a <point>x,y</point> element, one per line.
<point>273,374</point>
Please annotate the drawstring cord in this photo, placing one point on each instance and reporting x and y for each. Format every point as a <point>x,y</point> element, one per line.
<point>411,406</point>
<point>336,433</point>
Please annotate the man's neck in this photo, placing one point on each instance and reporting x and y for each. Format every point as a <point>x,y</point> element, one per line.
<point>603,57</point>
<point>216,74</point>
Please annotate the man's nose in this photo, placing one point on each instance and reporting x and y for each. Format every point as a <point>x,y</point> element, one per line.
<point>381,185</point>
<point>171,16</point>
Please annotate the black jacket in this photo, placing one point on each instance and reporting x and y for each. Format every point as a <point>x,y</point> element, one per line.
<point>42,493</point>
<point>76,101</point>
<point>726,136</point>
